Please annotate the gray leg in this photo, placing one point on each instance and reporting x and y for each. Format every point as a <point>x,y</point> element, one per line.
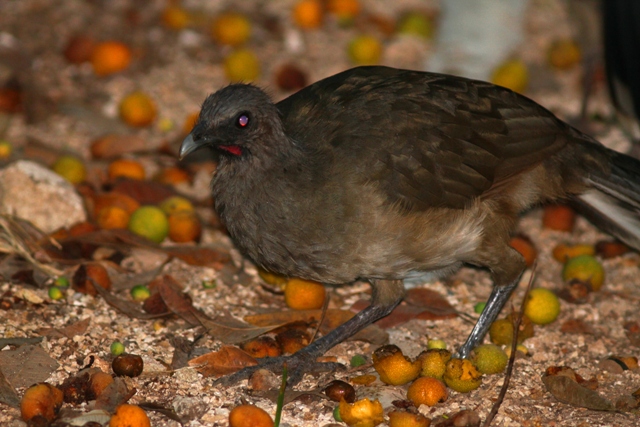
<point>498,298</point>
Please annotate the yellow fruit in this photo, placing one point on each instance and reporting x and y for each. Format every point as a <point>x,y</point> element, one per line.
<point>542,307</point>
<point>129,416</point>
<point>308,14</point>
<point>231,28</point>
<point>489,359</point>
<point>70,168</point>
<point>304,294</point>
<point>393,367</point>
<point>365,50</point>
<point>417,24</point>
<point>125,168</point>
<point>150,222</point>
<point>407,419</point>
<point>273,278</point>
<point>249,416</point>
<point>175,17</point>
<point>462,376</point>
<point>427,391</point>
<point>175,204</point>
<point>242,66</point>
<point>584,268</point>
<point>564,252</point>
<point>110,57</point>
<point>434,362</point>
<point>172,175</point>
<point>363,413</point>
<point>5,150</point>
<point>138,109</point>
<point>512,74</point>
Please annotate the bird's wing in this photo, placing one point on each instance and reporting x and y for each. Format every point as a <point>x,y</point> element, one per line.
<point>427,139</point>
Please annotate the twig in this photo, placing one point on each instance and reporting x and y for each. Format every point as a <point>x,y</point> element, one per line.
<point>517,319</point>
<point>325,307</point>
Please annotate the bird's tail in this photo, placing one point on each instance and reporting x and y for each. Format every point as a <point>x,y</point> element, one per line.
<point>613,202</point>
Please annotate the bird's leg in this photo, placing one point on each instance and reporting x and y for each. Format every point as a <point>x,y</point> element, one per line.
<point>386,295</point>
<point>498,298</point>
<point>507,266</point>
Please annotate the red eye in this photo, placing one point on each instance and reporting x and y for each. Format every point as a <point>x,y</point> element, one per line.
<point>243,121</point>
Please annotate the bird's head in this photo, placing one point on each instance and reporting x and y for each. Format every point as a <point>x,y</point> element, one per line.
<point>238,121</point>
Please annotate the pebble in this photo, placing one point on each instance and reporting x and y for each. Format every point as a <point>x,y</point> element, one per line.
<point>30,191</point>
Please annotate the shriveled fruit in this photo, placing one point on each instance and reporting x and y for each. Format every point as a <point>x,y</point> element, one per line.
<point>586,269</point>
<point>42,400</point>
<point>393,367</point>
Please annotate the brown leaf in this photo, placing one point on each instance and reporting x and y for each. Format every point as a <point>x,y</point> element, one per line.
<point>27,365</point>
<point>577,326</point>
<point>145,192</point>
<point>226,361</point>
<point>130,308</point>
<point>8,394</point>
<point>333,318</point>
<point>434,305</point>
<point>70,331</point>
<point>568,391</point>
<point>110,146</point>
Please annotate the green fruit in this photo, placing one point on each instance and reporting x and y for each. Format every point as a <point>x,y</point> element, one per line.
<point>489,359</point>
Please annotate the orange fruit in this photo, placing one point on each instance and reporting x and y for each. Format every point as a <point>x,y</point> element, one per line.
<point>112,217</point>
<point>302,294</point>
<point>525,247</point>
<point>138,109</point>
<point>175,17</point>
<point>393,367</point>
<point>427,391</point>
<point>308,14</point>
<point>344,10</point>
<point>231,28</point>
<point>249,415</point>
<point>558,217</point>
<point>126,168</point>
<point>564,54</point>
<point>407,419</point>
<point>184,227</point>
<point>172,176</point>
<point>110,57</point>
<point>41,399</point>
<point>129,416</point>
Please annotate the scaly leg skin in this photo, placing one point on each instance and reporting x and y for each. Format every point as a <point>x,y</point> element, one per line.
<point>386,295</point>
<point>498,298</point>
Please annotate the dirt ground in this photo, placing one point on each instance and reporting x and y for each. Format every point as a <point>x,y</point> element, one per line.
<point>67,107</point>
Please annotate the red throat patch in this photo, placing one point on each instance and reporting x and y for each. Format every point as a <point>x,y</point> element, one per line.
<point>233,149</point>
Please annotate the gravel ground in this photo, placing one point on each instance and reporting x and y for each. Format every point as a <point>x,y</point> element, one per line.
<point>178,69</point>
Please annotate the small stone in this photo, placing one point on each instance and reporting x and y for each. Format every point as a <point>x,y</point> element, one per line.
<point>39,195</point>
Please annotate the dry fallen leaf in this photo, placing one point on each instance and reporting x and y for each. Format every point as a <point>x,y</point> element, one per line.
<point>567,390</point>
<point>26,365</point>
<point>226,361</point>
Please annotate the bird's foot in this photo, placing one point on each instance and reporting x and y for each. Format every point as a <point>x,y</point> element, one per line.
<point>298,364</point>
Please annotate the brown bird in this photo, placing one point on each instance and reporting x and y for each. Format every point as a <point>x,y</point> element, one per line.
<point>380,174</point>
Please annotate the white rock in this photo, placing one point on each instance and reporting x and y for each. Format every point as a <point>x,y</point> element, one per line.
<point>30,191</point>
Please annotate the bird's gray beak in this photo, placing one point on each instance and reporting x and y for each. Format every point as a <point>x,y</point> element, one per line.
<point>190,144</point>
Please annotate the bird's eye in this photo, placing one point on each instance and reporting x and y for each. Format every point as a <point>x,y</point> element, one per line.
<point>242,121</point>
